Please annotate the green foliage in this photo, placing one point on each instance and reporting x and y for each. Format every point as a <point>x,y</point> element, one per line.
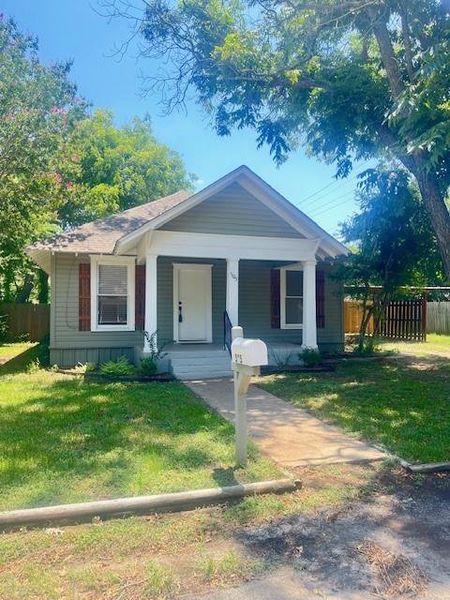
<point>38,109</point>
<point>60,167</point>
<point>108,169</point>
<point>3,328</point>
<point>310,356</point>
<point>349,80</point>
<point>369,347</point>
<point>121,367</point>
<point>395,245</point>
<point>148,366</point>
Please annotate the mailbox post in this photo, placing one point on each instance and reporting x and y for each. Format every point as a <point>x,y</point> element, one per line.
<point>247,356</point>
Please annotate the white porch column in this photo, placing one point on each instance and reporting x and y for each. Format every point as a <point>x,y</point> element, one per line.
<point>309,304</point>
<point>151,297</point>
<point>232,301</point>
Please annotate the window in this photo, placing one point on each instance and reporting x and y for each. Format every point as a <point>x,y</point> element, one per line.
<point>291,298</point>
<point>112,293</point>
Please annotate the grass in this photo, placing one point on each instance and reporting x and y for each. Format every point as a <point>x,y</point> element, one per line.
<point>65,440</point>
<point>403,406</point>
<point>9,351</point>
<point>159,556</point>
<point>435,344</point>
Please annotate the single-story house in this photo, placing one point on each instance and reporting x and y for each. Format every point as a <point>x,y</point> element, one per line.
<point>188,266</point>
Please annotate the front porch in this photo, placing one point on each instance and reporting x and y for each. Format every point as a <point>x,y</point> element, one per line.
<point>189,300</point>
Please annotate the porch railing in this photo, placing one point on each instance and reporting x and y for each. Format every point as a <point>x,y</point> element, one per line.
<point>227,325</point>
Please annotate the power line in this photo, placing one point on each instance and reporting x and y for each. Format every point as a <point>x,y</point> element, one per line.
<point>321,212</point>
<point>347,195</point>
<point>311,197</point>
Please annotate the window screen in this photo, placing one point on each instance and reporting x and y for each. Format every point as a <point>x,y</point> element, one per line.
<point>112,295</point>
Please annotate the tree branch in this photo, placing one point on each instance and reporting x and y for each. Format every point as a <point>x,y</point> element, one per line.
<point>387,52</point>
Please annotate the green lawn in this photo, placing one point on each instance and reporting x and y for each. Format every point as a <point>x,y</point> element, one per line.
<point>436,344</point>
<point>405,407</point>
<point>64,440</point>
<point>9,351</point>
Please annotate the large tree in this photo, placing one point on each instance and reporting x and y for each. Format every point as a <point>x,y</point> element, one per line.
<point>38,108</point>
<point>394,243</point>
<point>59,166</point>
<point>349,79</point>
<point>106,168</point>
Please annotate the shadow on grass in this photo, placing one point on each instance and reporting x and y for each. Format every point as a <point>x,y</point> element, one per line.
<point>405,405</point>
<point>21,362</point>
<point>95,440</point>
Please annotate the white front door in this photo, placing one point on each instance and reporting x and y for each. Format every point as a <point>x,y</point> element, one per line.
<point>192,303</point>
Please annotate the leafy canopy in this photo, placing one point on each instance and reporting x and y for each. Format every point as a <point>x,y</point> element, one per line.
<point>109,168</point>
<point>60,167</point>
<point>348,79</point>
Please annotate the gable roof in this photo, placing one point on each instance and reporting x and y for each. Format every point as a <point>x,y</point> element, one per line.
<point>120,232</point>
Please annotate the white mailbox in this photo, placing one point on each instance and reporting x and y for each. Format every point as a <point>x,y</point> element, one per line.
<point>248,352</point>
<point>246,357</point>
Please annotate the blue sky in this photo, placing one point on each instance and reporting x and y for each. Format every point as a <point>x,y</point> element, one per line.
<point>71,29</point>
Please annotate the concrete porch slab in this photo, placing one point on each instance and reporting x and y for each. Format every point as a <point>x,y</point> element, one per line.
<point>289,435</point>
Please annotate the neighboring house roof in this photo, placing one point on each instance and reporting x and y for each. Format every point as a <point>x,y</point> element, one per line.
<point>118,233</point>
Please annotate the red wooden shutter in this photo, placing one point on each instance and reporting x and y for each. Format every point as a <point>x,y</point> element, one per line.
<point>140,297</point>
<point>84,297</point>
<point>275,298</point>
<point>320,298</point>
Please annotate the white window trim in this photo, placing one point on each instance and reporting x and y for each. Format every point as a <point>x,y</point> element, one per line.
<point>283,324</point>
<point>127,261</point>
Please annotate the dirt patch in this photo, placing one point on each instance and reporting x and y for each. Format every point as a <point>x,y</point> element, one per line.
<point>392,542</point>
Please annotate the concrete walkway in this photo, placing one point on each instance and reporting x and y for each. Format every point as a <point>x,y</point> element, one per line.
<point>289,435</point>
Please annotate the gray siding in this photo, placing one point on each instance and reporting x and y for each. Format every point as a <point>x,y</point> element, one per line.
<point>232,212</point>
<point>255,307</point>
<point>68,345</point>
<point>165,295</point>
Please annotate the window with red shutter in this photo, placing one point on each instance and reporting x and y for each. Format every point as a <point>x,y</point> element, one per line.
<point>84,297</point>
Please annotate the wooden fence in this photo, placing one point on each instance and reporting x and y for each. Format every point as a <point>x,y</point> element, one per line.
<point>403,319</point>
<point>438,317</point>
<point>29,321</point>
<point>353,314</point>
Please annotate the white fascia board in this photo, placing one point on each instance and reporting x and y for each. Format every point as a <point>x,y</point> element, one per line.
<point>202,245</point>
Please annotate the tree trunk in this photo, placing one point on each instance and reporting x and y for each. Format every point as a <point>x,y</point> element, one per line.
<point>434,202</point>
<point>27,287</point>
<point>43,287</point>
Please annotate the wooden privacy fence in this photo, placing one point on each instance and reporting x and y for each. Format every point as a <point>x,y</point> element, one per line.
<point>26,320</point>
<point>353,314</point>
<point>403,319</point>
<point>438,317</point>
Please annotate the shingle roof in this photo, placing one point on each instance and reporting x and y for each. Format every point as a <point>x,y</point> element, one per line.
<point>100,236</point>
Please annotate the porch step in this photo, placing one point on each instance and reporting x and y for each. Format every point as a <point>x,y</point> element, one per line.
<point>200,364</point>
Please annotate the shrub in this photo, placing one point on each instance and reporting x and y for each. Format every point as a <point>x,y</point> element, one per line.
<point>368,347</point>
<point>118,368</point>
<point>310,357</point>
<point>148,366</point>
